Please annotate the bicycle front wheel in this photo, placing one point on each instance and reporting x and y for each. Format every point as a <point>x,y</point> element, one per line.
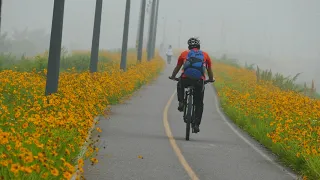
<point>189,117</point>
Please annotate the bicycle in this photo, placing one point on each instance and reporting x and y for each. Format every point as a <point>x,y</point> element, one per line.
<point>189,108</point>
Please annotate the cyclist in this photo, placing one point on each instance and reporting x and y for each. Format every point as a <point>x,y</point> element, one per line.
<point>169,54</point>
<point>185,80</point>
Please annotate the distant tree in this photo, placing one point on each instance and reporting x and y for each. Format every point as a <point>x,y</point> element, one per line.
<point>224,57</point>
<point>5,43</point>
<point>25,42</point>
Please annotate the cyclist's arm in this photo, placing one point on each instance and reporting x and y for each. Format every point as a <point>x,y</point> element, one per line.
<point>209,68</point>
<point>210,73</point>
<point>178,66</point>
<point>176,70</point>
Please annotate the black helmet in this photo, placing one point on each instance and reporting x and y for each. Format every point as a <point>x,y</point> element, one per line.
<point>193,43</point>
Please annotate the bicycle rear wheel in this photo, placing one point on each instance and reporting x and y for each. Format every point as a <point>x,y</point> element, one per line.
<point>189,117</point>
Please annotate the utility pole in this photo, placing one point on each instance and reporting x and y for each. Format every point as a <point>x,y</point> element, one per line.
<point>55,48</point>
<point>96,37</point>
<point>138,29</point>
<point>270,46</point>
<point>164,29</point>
<point>139,22</point>
<point>0,14</point>
<point>151,28</point>
<point>179,36</point>
<point>223,37</point>
<point>123,63</point>
<point>200,29</point>
<point>141,29</point>
<point>147,21</point>
<point>155,30</point>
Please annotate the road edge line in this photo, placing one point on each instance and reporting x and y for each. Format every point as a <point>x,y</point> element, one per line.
<point>238,133</point>
<point>84,149</point>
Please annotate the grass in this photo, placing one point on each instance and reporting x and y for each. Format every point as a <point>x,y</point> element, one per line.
<point>80,62</point>
<point>282,119</point>
<point>286,83</point>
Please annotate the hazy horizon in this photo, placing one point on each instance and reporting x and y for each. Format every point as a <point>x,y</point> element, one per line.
<point>282,35</point>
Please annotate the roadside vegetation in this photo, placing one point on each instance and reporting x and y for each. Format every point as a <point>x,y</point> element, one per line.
<point>41,137</point>
<point>279,113</point>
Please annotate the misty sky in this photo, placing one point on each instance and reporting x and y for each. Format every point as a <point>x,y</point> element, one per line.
<point>285,31</point>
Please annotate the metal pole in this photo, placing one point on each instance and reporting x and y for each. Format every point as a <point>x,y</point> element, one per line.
<point>151,27</point>
<point>223,37</point>
<point>164,29</point>
<point>155,30</point>
<point>141,29</point>
<point>96,37</point>
<point>123,64</point>
<point>0,14</point>
<point>147,18</point>
<point>138,29</point>
<point>55,48</point>
<point>179,33</point>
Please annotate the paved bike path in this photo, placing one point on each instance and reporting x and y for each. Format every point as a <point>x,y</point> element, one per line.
<point>136,129</point>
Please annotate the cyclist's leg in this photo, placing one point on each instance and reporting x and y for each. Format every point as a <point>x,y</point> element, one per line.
<point>198,100</point>
<point>180,93</point>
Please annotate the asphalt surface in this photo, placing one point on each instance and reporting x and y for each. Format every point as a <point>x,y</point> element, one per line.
<point>138,147</point>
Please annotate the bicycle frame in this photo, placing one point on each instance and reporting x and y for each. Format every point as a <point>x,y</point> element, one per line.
<point>189,111</point>
<point>188,92</point>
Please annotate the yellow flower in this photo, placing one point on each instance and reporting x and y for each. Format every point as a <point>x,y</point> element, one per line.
<point>94,160</point>
<point>67,152</point>
<point>28,170</point>
<point>98,129</point>
<point>67,175</point>
<point>54,172</point>
<point>44,175</point>
<point>8,147</point>
<point>25,125</point>
<point>15,168</point>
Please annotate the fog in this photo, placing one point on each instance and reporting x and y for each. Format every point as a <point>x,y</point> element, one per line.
<point>281,35</point>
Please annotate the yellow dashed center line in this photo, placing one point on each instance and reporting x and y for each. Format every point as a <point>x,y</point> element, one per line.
<point>173,143</point>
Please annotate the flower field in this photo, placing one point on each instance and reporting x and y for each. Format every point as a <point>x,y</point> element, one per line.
<point>285,121</point>
<point>41,136</point>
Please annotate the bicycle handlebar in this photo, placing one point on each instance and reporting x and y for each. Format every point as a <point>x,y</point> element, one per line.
<point>205,82</point>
